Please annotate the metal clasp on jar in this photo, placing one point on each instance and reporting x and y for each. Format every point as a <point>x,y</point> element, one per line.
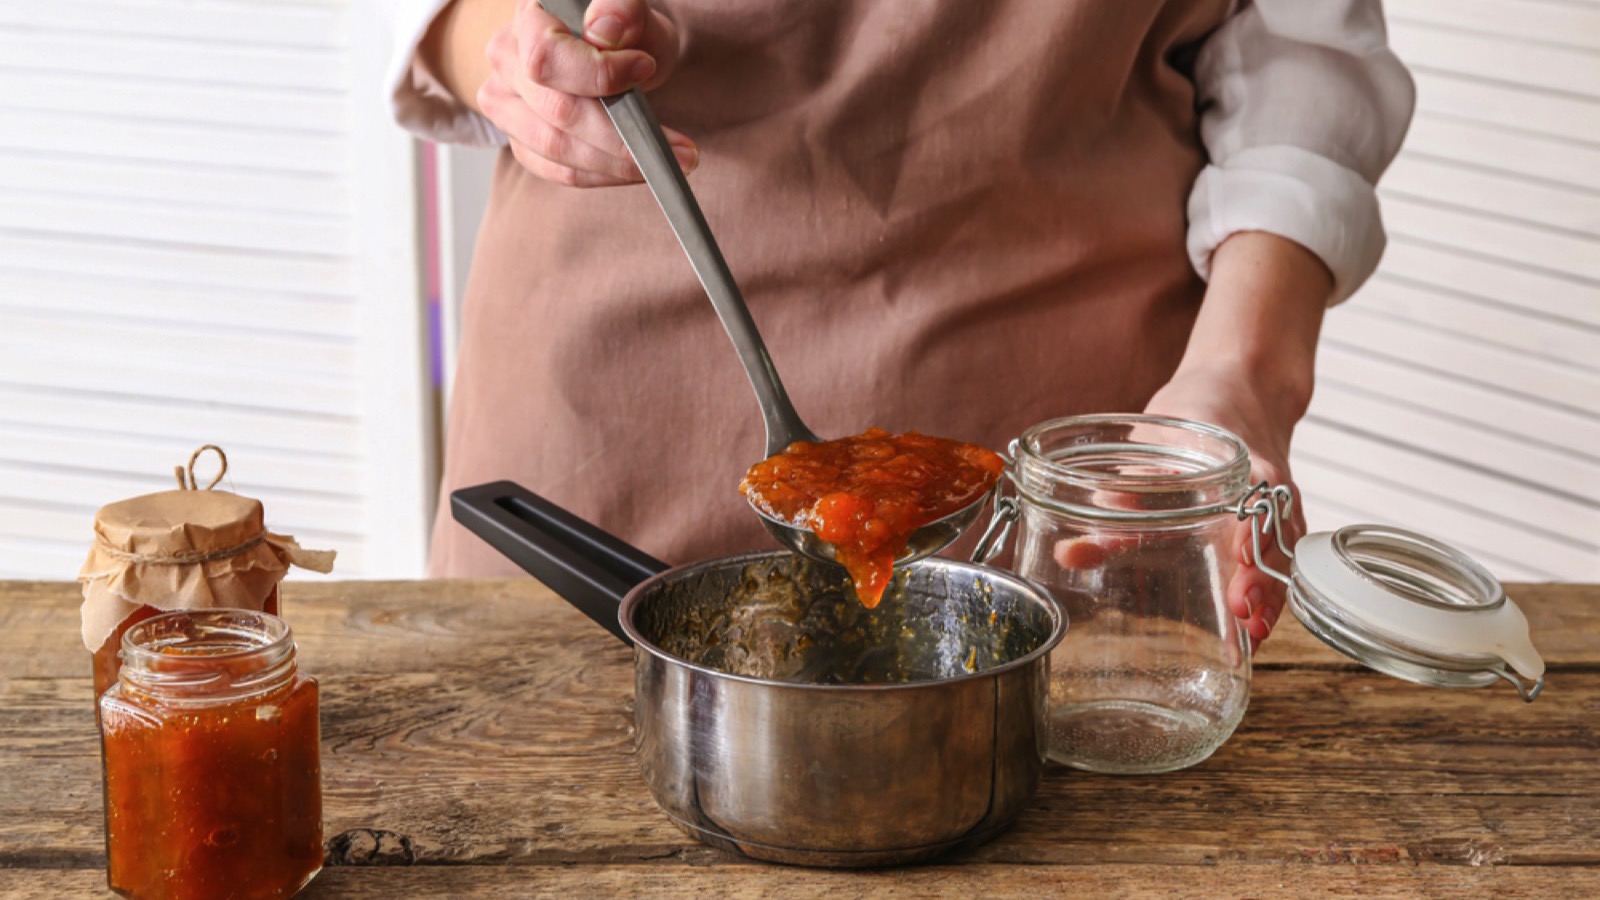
<point>1266,506</point>
<point>1005,514</point>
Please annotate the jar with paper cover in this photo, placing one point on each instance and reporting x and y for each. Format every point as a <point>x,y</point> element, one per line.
<point>189,548</point>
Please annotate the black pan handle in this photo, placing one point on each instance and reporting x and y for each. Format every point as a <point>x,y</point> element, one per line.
<point>589,567</point>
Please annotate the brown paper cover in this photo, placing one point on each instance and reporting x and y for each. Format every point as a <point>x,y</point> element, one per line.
<point>189,549</point>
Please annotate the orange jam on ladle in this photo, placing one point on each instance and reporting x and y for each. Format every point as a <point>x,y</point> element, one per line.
<point>867,493</point>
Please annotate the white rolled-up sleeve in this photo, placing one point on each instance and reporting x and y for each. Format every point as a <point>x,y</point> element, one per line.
<point>1302,107</point>
<point>418,100</point>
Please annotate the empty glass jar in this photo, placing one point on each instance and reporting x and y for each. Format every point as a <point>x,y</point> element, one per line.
<point>1128,520</point>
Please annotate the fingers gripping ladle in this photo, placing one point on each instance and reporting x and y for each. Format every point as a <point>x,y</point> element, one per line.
<point>641,133</point>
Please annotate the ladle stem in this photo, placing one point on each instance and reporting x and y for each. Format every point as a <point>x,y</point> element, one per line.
<point>641,133</point>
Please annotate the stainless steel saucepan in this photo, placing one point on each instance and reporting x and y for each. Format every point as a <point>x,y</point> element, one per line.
<point>779,719</point>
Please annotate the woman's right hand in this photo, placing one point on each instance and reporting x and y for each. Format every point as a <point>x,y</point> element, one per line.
<point>544,87</point>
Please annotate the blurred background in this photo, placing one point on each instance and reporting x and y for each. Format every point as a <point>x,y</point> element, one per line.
<point>210,232</point>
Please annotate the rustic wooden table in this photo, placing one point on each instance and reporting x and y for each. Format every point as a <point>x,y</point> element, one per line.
<point>477,742</point>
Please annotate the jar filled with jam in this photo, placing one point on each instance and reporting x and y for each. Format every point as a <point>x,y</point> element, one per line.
<point>211,754</point>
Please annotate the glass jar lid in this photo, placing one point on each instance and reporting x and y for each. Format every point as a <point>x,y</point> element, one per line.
<point>1410,606</point>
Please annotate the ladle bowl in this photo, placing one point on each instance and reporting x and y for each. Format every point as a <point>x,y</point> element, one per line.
<point>924,542</point>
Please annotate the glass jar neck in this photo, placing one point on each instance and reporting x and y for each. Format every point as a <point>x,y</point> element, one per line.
<point>207,656</point>
<point>1133,469</point>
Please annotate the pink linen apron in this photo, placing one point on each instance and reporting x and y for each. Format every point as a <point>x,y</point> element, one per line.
<point>958,218</point>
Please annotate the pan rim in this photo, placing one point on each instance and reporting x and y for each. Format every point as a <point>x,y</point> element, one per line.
<point>1058,626</point>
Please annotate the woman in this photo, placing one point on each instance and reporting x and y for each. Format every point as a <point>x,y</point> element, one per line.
<point>956,218</point>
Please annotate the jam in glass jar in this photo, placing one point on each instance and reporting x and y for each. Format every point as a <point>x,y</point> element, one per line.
<point>211,758</point>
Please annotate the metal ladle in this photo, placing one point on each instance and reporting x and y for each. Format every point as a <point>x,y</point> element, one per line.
<point>641,133</point>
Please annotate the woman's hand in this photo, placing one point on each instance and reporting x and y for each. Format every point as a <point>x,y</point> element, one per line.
<point>544,88</point>
<point>542,83</point>
<point>1223,395</point>
<point>1249,368</point>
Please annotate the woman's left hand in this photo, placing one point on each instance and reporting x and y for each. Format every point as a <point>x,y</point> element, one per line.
<point>1225,396</point>
<point>1249,367</point>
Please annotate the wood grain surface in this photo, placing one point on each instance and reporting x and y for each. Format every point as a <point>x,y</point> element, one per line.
<point>478,742</point>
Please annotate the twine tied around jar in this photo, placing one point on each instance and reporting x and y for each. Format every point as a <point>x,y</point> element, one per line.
<point>179,559</point>
<point>180,471</point>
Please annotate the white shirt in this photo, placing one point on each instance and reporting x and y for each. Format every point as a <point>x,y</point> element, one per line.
<point>1302,107</point>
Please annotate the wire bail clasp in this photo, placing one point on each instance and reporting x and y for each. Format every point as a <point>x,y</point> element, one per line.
<point>1005,512</point>
<point>999,530</point>
<point>1265,506</point>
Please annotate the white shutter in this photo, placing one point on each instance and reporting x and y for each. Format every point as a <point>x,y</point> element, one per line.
<point>1459,392</point>
<point>208,235</point>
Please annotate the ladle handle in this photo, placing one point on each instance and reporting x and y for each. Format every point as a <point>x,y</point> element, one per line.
<point>590,568</point>
<point>630,113</point>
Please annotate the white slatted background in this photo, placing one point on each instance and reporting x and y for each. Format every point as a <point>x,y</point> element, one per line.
<point>1459,392</point>
<point>207,234</point>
